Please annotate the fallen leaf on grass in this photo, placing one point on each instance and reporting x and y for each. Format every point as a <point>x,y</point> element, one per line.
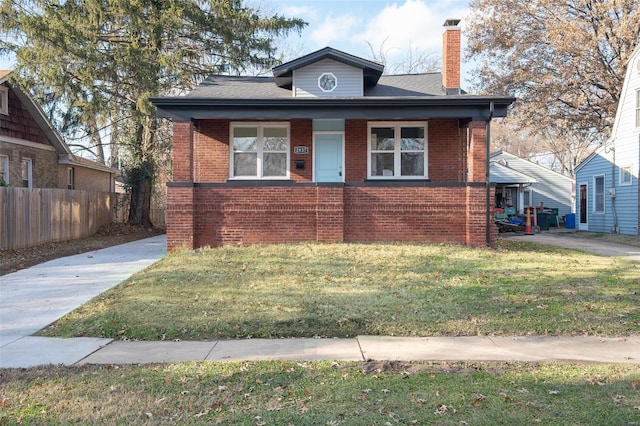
<point>444,409</point>
<point>478,400</point>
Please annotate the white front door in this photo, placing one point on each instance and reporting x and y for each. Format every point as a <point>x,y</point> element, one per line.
<point>328,158</point>
<point>583,212</point>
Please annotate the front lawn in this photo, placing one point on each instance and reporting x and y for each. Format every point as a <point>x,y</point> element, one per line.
<point>323,393</point>
<point>340,290</point>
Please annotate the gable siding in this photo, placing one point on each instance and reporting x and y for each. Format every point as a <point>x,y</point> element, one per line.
<point>622,150</point>
<point>626,139</point>
<point>350,80</point>
<point>552,189</point>
<point>599,165</point>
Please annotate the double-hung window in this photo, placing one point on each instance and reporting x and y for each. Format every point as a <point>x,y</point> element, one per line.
<point>4,170</point>
<point>626,176</point>
<point>398,150</point>
<point>71,178</point>
<point>4,100</point>
<point>598,194</point>
<point>259,151</point>
<point>26,171</point>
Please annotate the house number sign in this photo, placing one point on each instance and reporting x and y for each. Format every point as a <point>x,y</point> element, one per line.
<point>300,149</point>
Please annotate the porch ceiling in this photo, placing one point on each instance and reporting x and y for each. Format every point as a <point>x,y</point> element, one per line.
<point>476,108</point>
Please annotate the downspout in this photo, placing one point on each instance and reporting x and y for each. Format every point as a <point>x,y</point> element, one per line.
<point>487,176</point>
<point>612,192</point>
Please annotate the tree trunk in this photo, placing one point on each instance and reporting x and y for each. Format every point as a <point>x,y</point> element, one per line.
<point>140,208</point>
<point>141,176</point>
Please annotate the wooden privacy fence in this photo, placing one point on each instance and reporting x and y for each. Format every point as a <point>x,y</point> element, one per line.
<point>29,217</point>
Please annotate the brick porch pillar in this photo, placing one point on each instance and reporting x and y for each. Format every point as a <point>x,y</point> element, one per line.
<point>180,192</point>
<point>330,214</point>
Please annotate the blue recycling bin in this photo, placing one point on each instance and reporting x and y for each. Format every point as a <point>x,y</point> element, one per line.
<point>570,221</point>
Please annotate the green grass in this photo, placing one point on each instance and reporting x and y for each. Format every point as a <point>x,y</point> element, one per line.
<point>340,290</point>
<point>323,393</point>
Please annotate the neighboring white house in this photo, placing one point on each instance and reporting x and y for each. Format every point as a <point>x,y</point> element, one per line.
<point>521,183</point>
<point>607,181</point>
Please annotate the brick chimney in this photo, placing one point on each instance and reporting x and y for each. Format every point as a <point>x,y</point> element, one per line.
<point>451,57</point>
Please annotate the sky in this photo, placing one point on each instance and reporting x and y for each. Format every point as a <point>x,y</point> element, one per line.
<point>347,25</point>
<point>351,25</point>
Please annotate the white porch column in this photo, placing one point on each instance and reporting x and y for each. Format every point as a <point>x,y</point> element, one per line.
<point>520,199</point>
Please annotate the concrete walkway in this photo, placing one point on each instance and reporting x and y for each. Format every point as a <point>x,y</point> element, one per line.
<point>563,238</point>
<point>33,298</point>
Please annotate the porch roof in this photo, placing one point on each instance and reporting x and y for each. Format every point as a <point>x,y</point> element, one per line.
<point>462,107</point>
<point>506,175</point>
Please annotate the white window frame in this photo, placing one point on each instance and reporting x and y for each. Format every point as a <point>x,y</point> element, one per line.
<point>29,171</point>
<point>596,206</point>
<point>397,169</point>
<point>260,127</point>
<point>4,100</point>
<point>71,178</point>
<point>626,175</point>
<point>4,172</point>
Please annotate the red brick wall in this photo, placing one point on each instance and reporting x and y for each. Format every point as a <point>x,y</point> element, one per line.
<point>179,218</point>
<point>302,135</point>
<point>476,157</point>
<point>447,150</point>
<point>182,151</point>
<point>415,214</point>
<point>211,151</point>
<point>451,58</point>
<point>443,210</point>
<point>254,215</point>
<point>355,136</point>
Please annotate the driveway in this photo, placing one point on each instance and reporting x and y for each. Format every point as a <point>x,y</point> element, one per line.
<point>562,238</point>
<point>35,297</point>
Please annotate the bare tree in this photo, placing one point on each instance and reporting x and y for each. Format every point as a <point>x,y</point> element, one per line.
<point>565,60</point>
<point>414,60</point>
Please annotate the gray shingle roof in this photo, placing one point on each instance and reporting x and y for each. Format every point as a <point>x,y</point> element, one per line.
<point>239,87</point>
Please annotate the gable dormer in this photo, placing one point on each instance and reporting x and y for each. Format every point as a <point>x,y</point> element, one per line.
<point>328,73</point>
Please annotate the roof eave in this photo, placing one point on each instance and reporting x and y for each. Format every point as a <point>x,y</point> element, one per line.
<point>475,108</point>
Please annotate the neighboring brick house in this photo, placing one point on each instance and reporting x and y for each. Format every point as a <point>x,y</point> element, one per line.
<point>34,155</point>
<point>331,150</point>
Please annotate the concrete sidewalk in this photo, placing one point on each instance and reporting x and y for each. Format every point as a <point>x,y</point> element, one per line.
<point>362,348</point>
<point>34,298</point>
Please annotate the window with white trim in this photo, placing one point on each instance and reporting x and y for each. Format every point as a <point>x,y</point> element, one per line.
<point>4,170</point>
<point>71,178</point>
<point>397,150</point>
<point>626,175</point>
<point>259,151</point>
<point>598,194</point>
<point>4,100</point>
<point>27,173</point>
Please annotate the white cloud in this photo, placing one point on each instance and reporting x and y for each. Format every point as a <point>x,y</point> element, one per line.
<point>415,24</point>
<point>334,28</point>
<point>307,13</point>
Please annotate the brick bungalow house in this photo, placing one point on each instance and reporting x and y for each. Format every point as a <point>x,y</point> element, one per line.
<point>34,155</point>
<point>329,149</point>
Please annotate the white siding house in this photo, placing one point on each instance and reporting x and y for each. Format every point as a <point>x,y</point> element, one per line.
<point>607,181</point>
